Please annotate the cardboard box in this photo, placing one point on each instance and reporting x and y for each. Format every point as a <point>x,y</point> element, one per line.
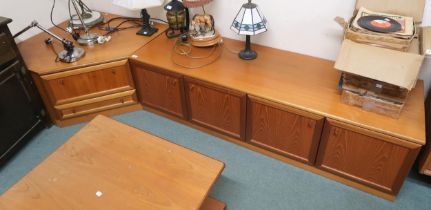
<point>388,66</point>
<point>372,104</point>
<point>373,88</point>
<point>389,41</point>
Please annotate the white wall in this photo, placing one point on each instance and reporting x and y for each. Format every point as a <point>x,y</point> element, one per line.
<point>306,26</point>
<point>23,12</point>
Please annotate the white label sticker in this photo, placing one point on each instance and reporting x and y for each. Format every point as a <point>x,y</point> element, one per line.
<point>99,194</point>
<point>169,7</point>
<point>379,86</point>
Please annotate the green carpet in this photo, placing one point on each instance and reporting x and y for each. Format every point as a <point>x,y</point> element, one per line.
<point>250,180</point>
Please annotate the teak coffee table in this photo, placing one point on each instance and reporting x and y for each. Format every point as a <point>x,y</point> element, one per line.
<point>109,165</point>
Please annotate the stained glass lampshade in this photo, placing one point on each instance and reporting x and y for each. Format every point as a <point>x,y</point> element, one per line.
<point>249,21</point>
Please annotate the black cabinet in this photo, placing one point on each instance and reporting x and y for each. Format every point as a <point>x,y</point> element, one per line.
<point>21,111</point>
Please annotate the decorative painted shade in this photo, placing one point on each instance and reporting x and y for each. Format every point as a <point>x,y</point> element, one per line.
<point>249,20</point>
<point>138,4</point>
<point>195,3</point>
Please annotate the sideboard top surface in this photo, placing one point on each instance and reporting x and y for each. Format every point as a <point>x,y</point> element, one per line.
<point>300,81</point>
<point>40,58</point>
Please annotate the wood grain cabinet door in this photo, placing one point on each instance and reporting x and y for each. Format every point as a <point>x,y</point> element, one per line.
<point>160,89</point>
<point>371,158</point>
<point>217,108</point>
<point>284,130</point>
<point>88,82</point>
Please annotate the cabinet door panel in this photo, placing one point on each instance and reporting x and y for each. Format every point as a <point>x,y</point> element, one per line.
<point>69,87</point>
<point>217,108</point>
<point>290,132</point>
<point>18,113</point>
<point>360,155</point>
<point>160,90</point>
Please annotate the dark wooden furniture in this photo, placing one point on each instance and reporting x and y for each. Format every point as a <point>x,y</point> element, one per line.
<point>130,169</point>
<point>283,104</point>
<point>21,110</point>
<point>425,160</point>
<point>101,82</point>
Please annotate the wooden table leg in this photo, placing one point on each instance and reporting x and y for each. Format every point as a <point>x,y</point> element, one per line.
<point>212,204</point>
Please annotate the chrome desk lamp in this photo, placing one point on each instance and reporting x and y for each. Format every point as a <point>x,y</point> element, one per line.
<point>70,53</point>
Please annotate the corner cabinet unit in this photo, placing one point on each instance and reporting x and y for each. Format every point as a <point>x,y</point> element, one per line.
<point>160,89</point>
<point>84,92</point>
<point>216,108</point>
<point>284,130</point>
<point>376,160</point>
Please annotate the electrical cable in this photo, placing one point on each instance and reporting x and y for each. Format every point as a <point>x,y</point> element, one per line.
<point>136,21</point>
<point>159,20</point>
<point>52,21</point>
<point>50,43</point>
<point>70,13</point>
<point>188,53</point>
<point>231,50</point>
<point>107,27</point>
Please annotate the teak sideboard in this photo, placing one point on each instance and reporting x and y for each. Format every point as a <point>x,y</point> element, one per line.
<point>284,105</point>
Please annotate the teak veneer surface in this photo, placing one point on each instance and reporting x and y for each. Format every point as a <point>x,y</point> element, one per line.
<point>40,58</point>
<point>299,81</point>
<point>133,170</point>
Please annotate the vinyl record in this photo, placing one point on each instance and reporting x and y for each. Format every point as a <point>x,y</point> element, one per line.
<point>379,24</point>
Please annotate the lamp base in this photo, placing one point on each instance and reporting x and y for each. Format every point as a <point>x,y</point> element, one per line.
<point>208,41</point>
<point>88,39</point>
<point>248,54</point>
<point>70,57</point>
<point>147,31</point>
<point>90,19</point>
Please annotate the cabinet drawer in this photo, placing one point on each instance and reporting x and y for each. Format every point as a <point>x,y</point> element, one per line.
<point>159,89</point>
<point>374,159</point>
<point>95,105</point>
<point>89,82</point>
<point>284,130</point>
<point>217,108</point>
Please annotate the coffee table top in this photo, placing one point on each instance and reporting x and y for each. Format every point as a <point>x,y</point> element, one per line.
<point>109,165</point>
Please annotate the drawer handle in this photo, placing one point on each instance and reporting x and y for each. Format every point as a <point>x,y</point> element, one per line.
<point>310,124</point>
<point>113,72</point>
<point>336,132</point>
<point>61,82</point>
